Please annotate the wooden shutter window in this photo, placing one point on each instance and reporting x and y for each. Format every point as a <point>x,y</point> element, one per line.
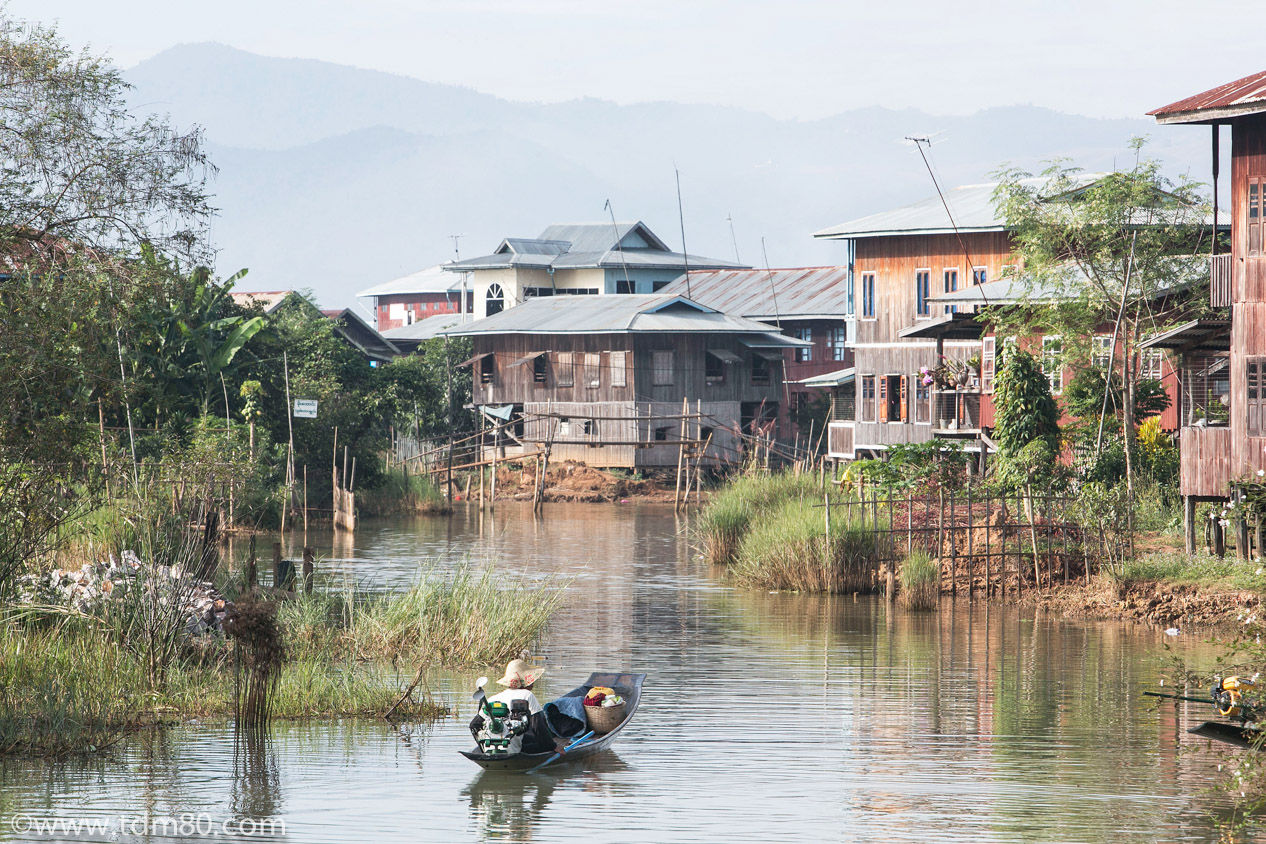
<point>593,369</point>
<point>1255,369</point>
<point>565,375</point>
<point>883,398</point>
<point>988,354</point>
<point>661,369</point>
<point>619,377</point>
<point>1255,199</point>
<point>905,399</point>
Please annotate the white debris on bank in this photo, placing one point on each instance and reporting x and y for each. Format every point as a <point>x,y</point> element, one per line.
<point>92,587</point>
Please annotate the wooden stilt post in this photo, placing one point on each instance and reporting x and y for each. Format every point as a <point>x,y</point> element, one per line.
<point>305,501</point>
<point>309,568</point>
<point>252,570</point>
<point>681,454</point>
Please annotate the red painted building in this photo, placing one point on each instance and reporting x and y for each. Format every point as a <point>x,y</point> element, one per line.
<point>417,296</point>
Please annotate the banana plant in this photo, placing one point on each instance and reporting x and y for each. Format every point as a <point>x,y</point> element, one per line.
<point>215,341</point>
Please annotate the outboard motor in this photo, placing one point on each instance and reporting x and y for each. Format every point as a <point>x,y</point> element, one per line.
<point>1228,696</point>
<point>501,733</point>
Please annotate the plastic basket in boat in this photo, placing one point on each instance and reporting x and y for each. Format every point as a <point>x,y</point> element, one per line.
<point>604,719</point>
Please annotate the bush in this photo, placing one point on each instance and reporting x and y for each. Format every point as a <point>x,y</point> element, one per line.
<point>732,510</point>
<point>920,582</point>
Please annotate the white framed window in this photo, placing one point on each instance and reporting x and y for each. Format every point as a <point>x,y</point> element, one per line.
<point>988,363</point>
<point>564,372</point>
<point>495,301</point>
<point>619,368</point>
<point>1152,364</point>
<point>922,292</point>
<point>803,353</point>
<point>868,295</point>
<point>979,275</point>
<point>951,285</point>
<point>1101,352</point>
<point>837,341</point>
<point>1053,362</point>
<point>593,369</point>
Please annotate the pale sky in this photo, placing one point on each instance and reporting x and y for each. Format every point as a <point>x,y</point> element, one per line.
<point>790,58</point>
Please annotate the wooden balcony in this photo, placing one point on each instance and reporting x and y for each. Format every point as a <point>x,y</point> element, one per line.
<point>1205,462</point>
<point>1220,267</point>
<point>956,413</point>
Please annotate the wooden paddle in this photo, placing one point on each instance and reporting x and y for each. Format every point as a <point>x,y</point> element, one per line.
<point>561,752</point>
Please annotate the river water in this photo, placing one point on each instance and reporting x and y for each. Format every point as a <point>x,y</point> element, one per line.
<point>765,717</point>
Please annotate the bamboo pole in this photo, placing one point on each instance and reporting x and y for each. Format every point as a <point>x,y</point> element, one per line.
<point>681,455</point>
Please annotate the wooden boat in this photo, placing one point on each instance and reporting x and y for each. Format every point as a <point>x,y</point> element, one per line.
<point>1239,735</point>
<point>628,686</point>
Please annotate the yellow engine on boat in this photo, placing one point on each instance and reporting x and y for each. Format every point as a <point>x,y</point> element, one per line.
<point>1228,694</point>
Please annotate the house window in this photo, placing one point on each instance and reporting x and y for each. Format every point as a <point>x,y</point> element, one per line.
<point>979,275</point>
<point>868,295</point>
<point>922,290</point>
<point>591,427</point>
<point>619,369</point>
<point>1101,352</point>
<point>882,403</point>
<point>564,427</point>
<point>760,371</point>
<point>988,360</point>
<point>657,286</point>
<point>951,285</point>
<point>837,340</point>
<point>661,369</point>
<point>539,365</point>
<point>1152,365</point>
<point>593,369</point>
<point>1256,214</point>
<point>1255,368</point>
<point>892,393</point>
<point>922,401</point>
<point>868,399</point>
<point>537,292</point>
<point>565,373</point>
<point>625,285</point>
<point>713,369</point>
<point>495,301</point>
<point>803,353</point>
<point>487,368</point>
<point>1053,363</point>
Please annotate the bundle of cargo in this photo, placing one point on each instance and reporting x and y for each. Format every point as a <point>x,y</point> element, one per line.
<point>604,709</point>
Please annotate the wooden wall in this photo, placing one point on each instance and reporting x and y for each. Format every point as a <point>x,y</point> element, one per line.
<point>1248,308</point>
<point>894,261</point>
<point>1205,462</point>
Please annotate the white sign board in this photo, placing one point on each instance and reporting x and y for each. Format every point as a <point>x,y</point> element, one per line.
<point>305,408</point>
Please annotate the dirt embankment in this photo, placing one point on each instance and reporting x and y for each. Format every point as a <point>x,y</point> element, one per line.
<point>575,482</point>
<point>1165,605</point>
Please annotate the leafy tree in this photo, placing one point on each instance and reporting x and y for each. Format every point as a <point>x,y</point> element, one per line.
<point>1129,246</point>
<point>1025,409</point>
<point>80,170</point>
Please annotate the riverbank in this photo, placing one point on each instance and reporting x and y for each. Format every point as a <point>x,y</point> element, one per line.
<point>571,483</point>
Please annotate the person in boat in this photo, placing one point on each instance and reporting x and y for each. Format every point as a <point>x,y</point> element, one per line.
<point>518,681</point>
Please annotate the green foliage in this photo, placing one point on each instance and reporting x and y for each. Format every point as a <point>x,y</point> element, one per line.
<point>1026,410</point>
<point>1083,396</point>
<point>731,511</point>
<point>812,413</point>
<point>934,464</point>
<point>403,493</point>
<point>786,547</point>
<point>1105,511</point>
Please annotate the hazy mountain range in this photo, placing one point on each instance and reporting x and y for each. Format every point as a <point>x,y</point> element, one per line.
<point>336,179</point>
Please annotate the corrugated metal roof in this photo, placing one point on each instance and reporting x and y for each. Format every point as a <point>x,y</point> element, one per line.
<point>425,329</point>
<point>829,379</point>
<point>1217,105</point>
<point>575,246</point>
<point>973,207</point>
<point>430,280</point>
<point>1007,291</point>
<point>793,293</point>
<point>600,237</point>
<point>616,315</point>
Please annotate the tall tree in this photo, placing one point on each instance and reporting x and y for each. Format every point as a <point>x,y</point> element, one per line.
<point>1129,247</point>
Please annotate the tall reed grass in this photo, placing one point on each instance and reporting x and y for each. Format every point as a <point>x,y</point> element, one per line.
<point>746,499</point>
<point>920,582</point>
<point>404,493</point>
<point>786,547</point>
<point>69,684</point>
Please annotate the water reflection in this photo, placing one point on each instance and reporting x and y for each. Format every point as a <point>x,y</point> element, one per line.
<point>787,716</point>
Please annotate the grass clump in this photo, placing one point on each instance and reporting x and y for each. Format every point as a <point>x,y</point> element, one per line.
<point>399,492</point>
<point>785,548</point>
<point>920,582</point>
<point>745,499</point>
<point>1203,569</point>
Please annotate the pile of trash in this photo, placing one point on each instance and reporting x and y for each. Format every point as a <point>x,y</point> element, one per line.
<point>90,588</point>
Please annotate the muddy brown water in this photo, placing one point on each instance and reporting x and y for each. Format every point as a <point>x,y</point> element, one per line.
<point>765,717</point>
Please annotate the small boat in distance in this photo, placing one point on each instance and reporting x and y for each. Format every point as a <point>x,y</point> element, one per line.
<point>628,686</point>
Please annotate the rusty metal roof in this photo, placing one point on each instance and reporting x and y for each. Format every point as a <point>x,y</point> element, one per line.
<point>1218,105</point>
<point>797,293</point>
